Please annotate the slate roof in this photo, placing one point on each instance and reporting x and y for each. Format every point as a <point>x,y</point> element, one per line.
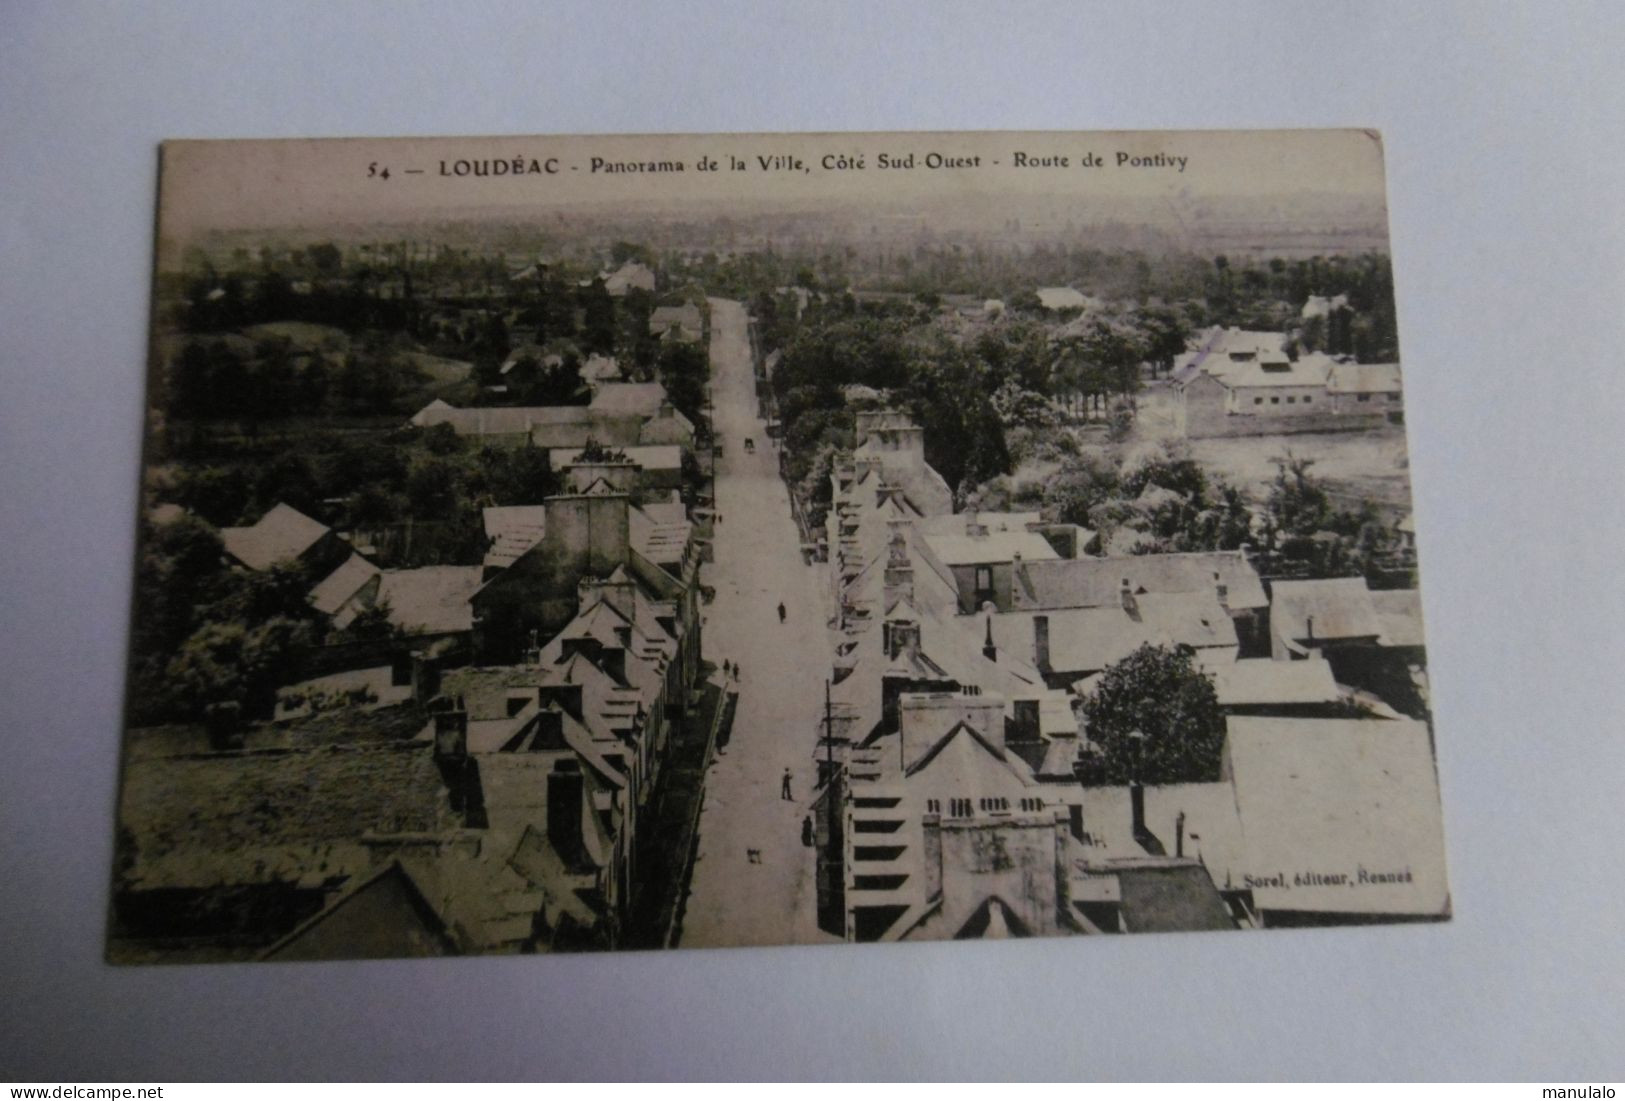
<point>1364,378</point>
<point>661,542</point>
<point>337,588</point>
<point>281,535</point>
<point>1400,613</point>
<point>1311,369</point>
<point>1218,352</point>
<point>1096,582</point>
<point>1341,608</point>
<point>513,530</point>
<point>1262,681</point>
<point>641,398</point>
<point>1085,640</point>
<point>959,549</point>
<point>431,599</point>
<point>1170,897</point>
<point>279,815</point>
<point>348,927</point>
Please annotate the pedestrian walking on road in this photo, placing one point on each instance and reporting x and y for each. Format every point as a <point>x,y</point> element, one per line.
<point>784,786</point>
<point>781,611</point>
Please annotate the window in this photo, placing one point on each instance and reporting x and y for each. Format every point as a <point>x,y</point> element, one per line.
<point>1307,399</point>
<point>984,579</point>
<point>1393,397</point>
<point>1292,401</point>
<point>1365,397</point>
<point>1275,401</point>
<point>1258,401</point>
<point>933,806</point>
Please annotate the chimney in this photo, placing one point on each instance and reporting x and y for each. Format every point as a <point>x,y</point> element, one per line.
<point>989,651</point>
<point>1126,593</point>
<point>1136,798</point>
<point>1041,643</point>
<point>425,677</point>
<point>1221,590</point>
<point>587,534</point>
<point>451,734</point>
<point>1309,626</point>
<point>565,788</point>
<point>972,526</point>
<point>902,637</point>
<point>1179,835</point>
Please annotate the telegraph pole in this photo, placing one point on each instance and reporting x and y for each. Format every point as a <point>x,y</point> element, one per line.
<point>829,759</point>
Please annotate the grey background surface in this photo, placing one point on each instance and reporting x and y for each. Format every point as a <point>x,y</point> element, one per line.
<point>1503,128</point>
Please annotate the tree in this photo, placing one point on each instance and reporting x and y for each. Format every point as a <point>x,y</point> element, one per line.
<point>598,318</point>
<point>1155,717</point>
<point>1078,488</point>
<point>326,257</point>
<point>1164,336</point>
<point>236,663</point>
<point>684,369</point>
<point>1297,504</point>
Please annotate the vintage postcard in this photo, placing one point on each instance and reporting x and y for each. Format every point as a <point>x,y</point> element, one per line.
<point>577,543</point>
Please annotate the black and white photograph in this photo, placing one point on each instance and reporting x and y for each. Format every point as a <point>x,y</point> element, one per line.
<point>571,544</point>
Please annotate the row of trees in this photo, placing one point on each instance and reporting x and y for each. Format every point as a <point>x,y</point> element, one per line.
<point>204,634</point>
<point>418,492</point>
<point>1297,527</point>
<point>269,380</point>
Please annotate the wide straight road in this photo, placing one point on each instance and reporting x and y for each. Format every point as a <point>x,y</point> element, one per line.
<point>734,899</point>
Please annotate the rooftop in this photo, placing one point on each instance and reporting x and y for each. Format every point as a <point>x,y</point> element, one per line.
<point>1310,369</point>
<point>431,599</point>
<point>1262,681</point>
<point>274,815</point>
<point>281,535</point>
<point>1400,613</point>
<point>1097,582</point>
<point>1364,378</point>
<point>1330,609</point>
<point>1086,640</point>
<point>959,549</point>
<point>337,588</point>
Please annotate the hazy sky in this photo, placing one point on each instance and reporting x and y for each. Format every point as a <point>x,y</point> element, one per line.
<point>288,183</point>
